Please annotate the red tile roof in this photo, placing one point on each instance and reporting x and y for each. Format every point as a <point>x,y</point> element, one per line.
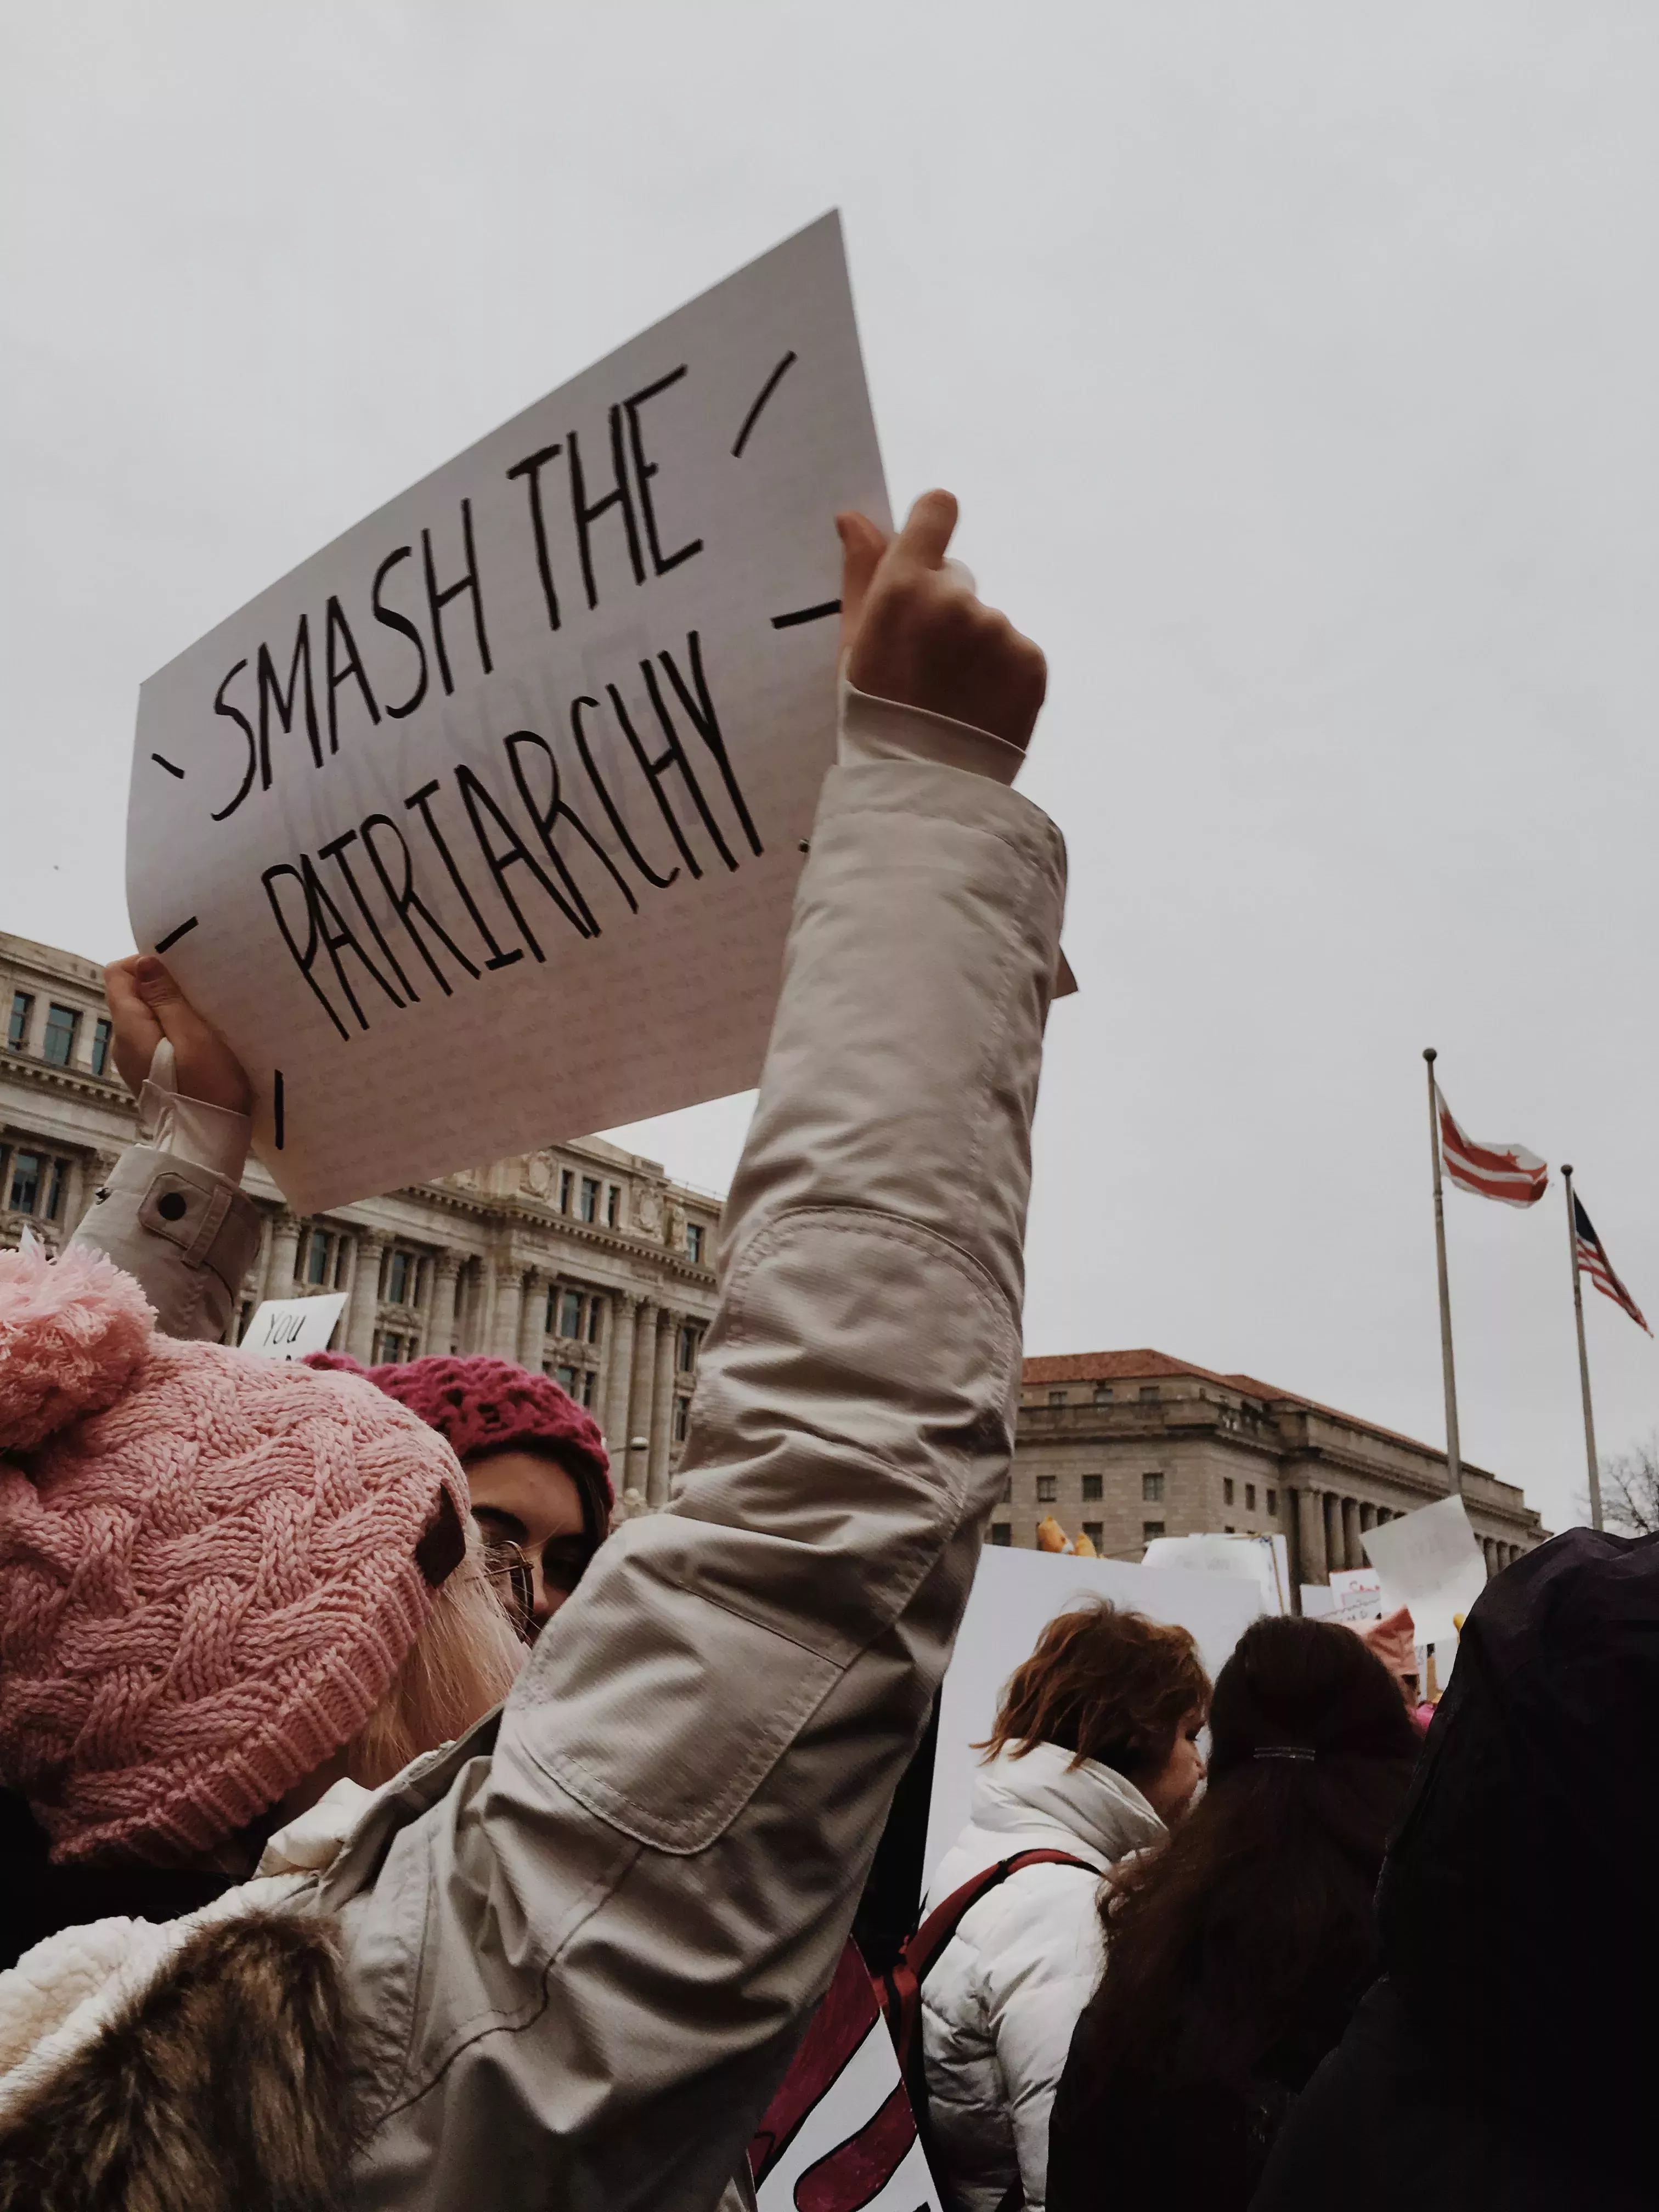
<point>1147,1365</point>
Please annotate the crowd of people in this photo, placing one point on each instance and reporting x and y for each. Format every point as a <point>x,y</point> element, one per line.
<point>379,1830</point>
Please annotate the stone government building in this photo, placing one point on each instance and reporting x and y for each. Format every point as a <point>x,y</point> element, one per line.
<point>1130,1445</point>
<point>587,1262</point>
<point>582,1259</point>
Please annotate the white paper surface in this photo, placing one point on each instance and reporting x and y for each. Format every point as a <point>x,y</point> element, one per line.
<point>459,985</point>
<point>1429,1560</point>
<point>1357,1596</point>
<point>1263,1558</point>
<point>847,2108</point>
<point>289,1329</point>
<point>1015,1595</point>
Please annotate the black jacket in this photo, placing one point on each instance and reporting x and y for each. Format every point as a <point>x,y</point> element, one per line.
<point>1509,2059</point>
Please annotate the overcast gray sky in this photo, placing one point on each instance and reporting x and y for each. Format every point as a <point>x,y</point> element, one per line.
<point>1296,367</point>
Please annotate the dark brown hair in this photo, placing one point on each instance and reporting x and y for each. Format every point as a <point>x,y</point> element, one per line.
<point>1105,1685</point>
<point>1238,1950</point>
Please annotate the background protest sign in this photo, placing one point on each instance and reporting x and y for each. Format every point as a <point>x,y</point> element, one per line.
<point>1015,1595</point>
<point>287,1328</point>
<point>1429,1561</point>
<point>481,829</point>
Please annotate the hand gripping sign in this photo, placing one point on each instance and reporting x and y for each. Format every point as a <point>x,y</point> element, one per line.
<point>481,829</point>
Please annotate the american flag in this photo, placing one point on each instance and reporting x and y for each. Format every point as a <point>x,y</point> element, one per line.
<point>1594,1261</point>
<point>1508,1172</point>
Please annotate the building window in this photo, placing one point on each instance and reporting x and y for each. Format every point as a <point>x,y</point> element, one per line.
<point>589,1209</point>
<point>566,1379</point>
<point>1272,1503</point>
<point>62,1022</point>
<point>402,1272</point>
<point>681,1418</point>
<point>590,1384</point>
<point>1226,1489</point>
<point>1103,1393</point>
<point>1152,1490</point>
<point>612,1206</point>
<point>686,1357</point>
<point>1047,1489</point>
<point>1007,1497</point>
<point>391,1348</point>
<point>571,1316</point>
<point>1228,1529</point>
<point>567,1183</point>
<point>1149,1529</point>
<point>1056,1397</point>
<point>17,1029</point>
<point>28,1173</point>
<point>55,1192</point>
<point>694,1235</point>
<point>1001,1533</point>
<point>1093,1487</point>
<point>1149,1394</point>
<point>1249,1498</point>
<point>595,1308</point>
<point>1096,1532</point>
<point>317,1258</point>
<point>101,1036</point>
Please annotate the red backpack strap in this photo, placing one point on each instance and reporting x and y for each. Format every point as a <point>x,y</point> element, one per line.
<point>898,1991</point>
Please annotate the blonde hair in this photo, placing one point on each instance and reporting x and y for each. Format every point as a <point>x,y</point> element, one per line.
<point>461,1665</point>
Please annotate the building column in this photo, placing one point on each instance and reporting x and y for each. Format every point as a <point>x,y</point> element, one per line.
<point>642,1365</point>
<point>446,1277</point>
<point>1330,1507</point>
<point>1367,1518</point>
<point>364,1309</point>
<point>285,1256</point>
<point>508,1304</point>
<point>1310,1535</point>
<point>532,1320</point>
<point>618,1371</point>
<point>662,1409</point>
<point>1353,1552</point>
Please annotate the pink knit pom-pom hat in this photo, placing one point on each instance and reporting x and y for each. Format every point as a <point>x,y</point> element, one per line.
<point>210,1565</point>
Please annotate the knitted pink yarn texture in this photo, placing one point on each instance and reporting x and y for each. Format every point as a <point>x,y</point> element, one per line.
<point>206,1587</point>
<point>71,1332</point>
<point>484,1405</point>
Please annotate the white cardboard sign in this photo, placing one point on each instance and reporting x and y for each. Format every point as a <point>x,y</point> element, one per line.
<point>1356,1596</point>
<point>846,2130</point>
<point>1015,1595</point>
<point>1261,1557</point>
<point>289,1329</point>
<point>481,829</point>
<point>1429,1560</point>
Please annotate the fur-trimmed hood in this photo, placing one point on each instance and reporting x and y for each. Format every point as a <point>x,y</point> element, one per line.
<point>193,2065</point>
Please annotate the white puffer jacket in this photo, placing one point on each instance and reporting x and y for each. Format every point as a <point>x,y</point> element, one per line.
<point>1000,2008</point>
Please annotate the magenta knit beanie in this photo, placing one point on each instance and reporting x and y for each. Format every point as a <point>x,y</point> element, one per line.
<point>208,1565</point>
<point>485,1404</point>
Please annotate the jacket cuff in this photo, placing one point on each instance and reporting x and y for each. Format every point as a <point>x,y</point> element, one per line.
<point>188,1236</point>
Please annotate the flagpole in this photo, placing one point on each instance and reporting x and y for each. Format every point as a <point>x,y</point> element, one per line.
<point>1583,1356</point>
<point>1448,1373</point>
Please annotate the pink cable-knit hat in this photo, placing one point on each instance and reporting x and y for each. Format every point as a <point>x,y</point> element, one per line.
<point>484,1405</point>
<point>211,1566</point>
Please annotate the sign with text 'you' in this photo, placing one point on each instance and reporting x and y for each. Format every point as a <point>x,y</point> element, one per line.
<point>481,829</point>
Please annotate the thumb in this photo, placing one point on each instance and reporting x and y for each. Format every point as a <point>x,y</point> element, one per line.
<point>862,545</point>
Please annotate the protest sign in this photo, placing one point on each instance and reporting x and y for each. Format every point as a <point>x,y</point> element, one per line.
<point>481,829</point>
<point>1356,1596</point>
<point>287,1328</point>
<point>1429,1560</point>
<point>1015,1595</point>
<point>853,2148</point>
<point>1263,1558</point>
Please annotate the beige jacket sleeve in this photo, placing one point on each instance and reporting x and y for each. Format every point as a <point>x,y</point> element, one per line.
<point>173,1213</point>
<point>590,1957</point>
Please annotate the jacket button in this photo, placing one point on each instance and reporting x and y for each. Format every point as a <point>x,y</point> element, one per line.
<point>171,1205</point>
